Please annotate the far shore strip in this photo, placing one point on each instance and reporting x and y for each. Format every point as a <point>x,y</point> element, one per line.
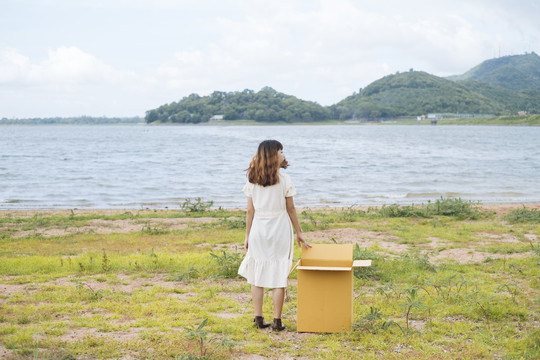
<point>497,207</point>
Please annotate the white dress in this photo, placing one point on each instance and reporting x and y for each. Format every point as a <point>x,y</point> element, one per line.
<point>270,246</point>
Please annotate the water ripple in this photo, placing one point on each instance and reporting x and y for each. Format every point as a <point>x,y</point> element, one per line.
<point>151,166</point>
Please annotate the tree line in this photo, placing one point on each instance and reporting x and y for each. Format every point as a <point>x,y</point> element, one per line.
<point>79,120</point>
<point>266,105</point>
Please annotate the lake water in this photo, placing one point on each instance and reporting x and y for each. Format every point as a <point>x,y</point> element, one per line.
<point>138,166</point>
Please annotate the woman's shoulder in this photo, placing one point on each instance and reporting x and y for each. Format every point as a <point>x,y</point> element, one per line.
<point>283,174</point>
<point>287,184</point>
<point>284,178</point>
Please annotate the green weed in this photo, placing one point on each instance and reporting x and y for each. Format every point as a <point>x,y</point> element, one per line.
<point>374,322</point>
<point>523,215</point>
<point>227,264</point>
<point>196,205</point>
<point>412,301</point>
<point>157,229</point>
<point>206,346</point>
<point>233,223</point>
<point>106,264</point>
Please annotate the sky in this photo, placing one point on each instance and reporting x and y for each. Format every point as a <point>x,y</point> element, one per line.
<point>62,58</point>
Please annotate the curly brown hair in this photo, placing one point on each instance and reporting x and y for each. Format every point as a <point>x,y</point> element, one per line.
<point>264,167</point>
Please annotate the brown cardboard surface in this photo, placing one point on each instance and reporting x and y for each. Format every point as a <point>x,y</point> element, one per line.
<point>325,301</point>
<point>325,288</point>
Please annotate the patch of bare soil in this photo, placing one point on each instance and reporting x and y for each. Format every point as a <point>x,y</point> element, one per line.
<point>226,315</point>
<point>250,357</point>
<point>501,209</point>
<point>5,353</point>
<point>222,247</point>
<point>464,255</point>
<point>485,238</point>
<point>122,283</point>
<point>30,213</point>
<point>260,357</point>
<point>10,289</point>
<point>100,226</point>
<point>435,242</point>
<point>531,237</point>
<point>240,297</point>
<point>364,238</point>
<point>78,334</point>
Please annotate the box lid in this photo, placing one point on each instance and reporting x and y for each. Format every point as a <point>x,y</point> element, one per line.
<point>331,255</point>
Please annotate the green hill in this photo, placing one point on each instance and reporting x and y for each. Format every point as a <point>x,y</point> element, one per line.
<point>512,101</point>
<point>413,93</point>
<point>517,72</point>
<point>502,86</point>
<point>266,105</point>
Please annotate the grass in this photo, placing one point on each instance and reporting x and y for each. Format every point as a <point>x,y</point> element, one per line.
<point>71,290</point>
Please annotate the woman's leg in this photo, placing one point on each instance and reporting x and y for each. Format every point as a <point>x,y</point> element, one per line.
<point>257,294</point>
<point>278,295</point>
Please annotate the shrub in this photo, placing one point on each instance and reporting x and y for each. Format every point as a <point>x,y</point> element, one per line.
<point>458,208</point>
<point>523,215</point>
<point>454,207</point>
<point>396,210</point>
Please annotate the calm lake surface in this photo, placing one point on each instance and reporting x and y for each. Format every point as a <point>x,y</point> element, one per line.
<point>138,166</point>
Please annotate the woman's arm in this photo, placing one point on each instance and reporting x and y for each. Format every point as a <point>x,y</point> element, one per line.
<point>249,220</point>
<point>296,224</point>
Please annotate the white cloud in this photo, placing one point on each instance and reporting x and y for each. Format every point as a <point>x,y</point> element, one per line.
<point>72,65</point>
<point>63,66</point>
<point>13,66</point>
<point>69,82</point>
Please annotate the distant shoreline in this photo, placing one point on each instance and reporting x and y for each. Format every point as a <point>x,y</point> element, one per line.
<point>530,120</point>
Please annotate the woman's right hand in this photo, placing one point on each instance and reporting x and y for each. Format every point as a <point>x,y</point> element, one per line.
<point>301,240</point>
<point>246,244</point>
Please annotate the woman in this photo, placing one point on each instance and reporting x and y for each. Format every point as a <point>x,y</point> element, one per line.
<point>270,218</point>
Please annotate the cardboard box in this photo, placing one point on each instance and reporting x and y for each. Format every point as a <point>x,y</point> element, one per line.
<point>325,288</point>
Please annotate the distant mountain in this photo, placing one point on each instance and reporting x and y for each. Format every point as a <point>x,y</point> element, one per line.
<point>517,72</point>
<point>512,101</point>
<point>413,93</point>
<point>501,86</point>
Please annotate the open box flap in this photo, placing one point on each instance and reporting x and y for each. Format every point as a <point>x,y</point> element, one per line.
<point>361,263</point>
<point>328,255</point>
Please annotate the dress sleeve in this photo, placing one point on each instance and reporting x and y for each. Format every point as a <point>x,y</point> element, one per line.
<point>290,190</point>
<point>248,189</point>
